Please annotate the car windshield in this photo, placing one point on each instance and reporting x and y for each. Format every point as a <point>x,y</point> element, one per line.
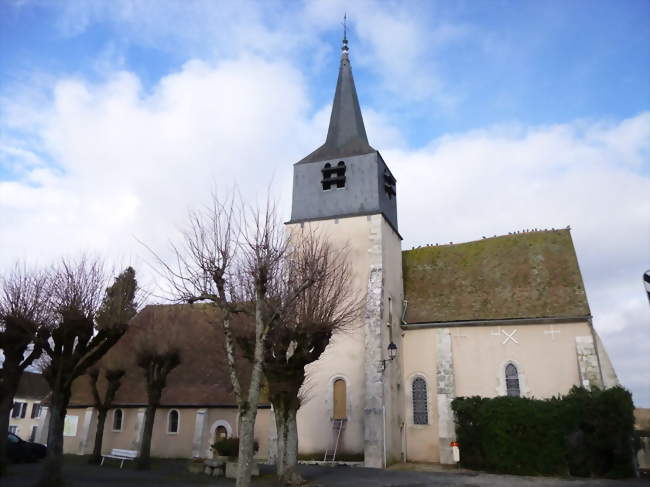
<point>13,438</point>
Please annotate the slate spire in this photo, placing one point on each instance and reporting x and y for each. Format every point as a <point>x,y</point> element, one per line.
<point>347,134</point>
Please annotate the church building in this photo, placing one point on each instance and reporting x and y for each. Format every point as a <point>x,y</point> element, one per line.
<point>506,315</point>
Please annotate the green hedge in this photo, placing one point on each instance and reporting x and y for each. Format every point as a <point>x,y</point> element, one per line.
<point>585,433</point>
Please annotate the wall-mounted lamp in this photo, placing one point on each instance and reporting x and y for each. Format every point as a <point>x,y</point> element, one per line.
<point>392,353</point>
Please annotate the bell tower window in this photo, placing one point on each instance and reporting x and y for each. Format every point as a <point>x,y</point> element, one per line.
<point>333,176</point>
<point>389,184</point>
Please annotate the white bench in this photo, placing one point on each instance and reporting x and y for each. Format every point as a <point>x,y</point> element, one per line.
<point>120,454</point>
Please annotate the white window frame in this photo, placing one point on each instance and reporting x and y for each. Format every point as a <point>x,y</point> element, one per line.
<point>22,411</point>
<point>39,410</point>
<point>178,422</point>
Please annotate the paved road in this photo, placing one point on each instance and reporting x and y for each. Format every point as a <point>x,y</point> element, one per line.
<point>173,474</point>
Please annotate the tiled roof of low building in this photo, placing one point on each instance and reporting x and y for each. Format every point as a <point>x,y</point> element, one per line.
<point>32,386</point>
<point>200,380</point>
<point>522,275</point>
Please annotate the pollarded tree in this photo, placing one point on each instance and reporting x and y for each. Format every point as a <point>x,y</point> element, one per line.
<point>88,320</point>
<point>303,329</point>
<point>233,259</point>
<point>157,353</point>
<point>113,380</point>
<point>24,316</point>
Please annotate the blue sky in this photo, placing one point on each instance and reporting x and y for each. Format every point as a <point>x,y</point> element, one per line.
<point>533,62</point>
<point>115,116</point>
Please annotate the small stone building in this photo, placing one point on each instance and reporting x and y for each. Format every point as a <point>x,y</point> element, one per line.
<point>197,405</point>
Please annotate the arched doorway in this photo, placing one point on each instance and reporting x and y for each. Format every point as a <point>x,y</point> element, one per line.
<point>340,399</point>
<point>220,433</point>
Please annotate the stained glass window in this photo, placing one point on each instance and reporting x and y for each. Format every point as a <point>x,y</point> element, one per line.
<point>512,380</point>
<point>420,412</point>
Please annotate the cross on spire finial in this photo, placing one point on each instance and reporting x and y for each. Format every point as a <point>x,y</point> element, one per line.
<point>344,47</point>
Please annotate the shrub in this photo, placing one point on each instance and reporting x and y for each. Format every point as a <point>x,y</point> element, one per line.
<point>229,447</point>
<point>583,433</point>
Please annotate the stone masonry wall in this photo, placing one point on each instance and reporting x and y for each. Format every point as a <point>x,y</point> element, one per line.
<point>446,390</point>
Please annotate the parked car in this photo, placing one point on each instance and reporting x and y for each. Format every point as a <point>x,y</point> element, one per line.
<point>19,450</point>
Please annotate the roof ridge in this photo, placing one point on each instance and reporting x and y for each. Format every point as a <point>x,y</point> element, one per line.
<point>510,234</point>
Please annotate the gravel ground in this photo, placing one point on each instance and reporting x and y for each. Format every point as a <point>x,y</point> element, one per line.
<point>172,473</point>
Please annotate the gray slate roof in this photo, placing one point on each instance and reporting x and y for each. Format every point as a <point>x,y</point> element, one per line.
<point>347,134</point>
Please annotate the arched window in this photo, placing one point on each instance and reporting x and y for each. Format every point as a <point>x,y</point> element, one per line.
<point>420,410</point>
<point>340,399</point>
<point>118,418</point>
<point>172,421</point>
<point>512,380</point>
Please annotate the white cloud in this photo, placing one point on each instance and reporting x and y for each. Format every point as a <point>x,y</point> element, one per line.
<point>130,163</point>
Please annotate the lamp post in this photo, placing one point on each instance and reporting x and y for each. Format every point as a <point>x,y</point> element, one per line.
<point>392,353</point>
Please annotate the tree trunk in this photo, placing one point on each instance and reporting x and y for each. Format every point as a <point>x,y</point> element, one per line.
<point>246,446</point>
<point>291,456</point>
<point>287,457</point>
<point>52,474</point>
<point>6,404</point>
<point>144,459</point>
<point>280,426</point>
<point>99,436</point>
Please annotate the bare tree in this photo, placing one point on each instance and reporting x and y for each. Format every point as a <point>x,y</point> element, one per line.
<point>23,317</point>
<point>89,320</point>
<point>157,353</point>
<point>303,329</point>
<point>113,379</point>
<point>232,258</point>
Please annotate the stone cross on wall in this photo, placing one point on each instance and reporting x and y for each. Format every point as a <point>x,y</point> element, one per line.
<point>509,337</point>
<point>551,331</point>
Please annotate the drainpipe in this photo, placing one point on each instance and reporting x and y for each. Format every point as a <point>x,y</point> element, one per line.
<point>383,410</point>
<point>405,305</point>
<point>403,429</point>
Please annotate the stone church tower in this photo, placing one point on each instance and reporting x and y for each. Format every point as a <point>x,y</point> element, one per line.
<point>345,191</point>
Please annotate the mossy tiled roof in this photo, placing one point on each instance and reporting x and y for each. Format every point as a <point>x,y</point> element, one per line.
<point>525,275</point>
<point>201,378</point>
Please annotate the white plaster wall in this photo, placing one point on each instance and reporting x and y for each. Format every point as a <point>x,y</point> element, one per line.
<point>164,444</point>
<point>24,425</point>
<point>393,387</point>
<point>345,354</point>
<point>419,359</point>
<point>547,362</point>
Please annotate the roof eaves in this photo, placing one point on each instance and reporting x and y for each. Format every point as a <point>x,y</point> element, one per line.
<point>498,321</point>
